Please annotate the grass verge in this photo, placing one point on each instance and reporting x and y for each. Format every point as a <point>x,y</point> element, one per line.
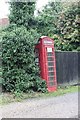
<point>6,98</point>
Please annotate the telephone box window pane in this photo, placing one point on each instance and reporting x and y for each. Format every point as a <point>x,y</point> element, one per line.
<point>50,63</point>
<point>51,84</point>
<point>51,78</point>
<point>50,69</point>
<point>50,74</point>
<point>37,57</point>
<point>36,60</point>
<point>50,54</point>
<point>49,49</point>
<point>37,63</point>
<point>36,53</point>
<point>50,59</point>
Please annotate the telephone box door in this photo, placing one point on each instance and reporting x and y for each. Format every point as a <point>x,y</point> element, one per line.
<point>51,69</point>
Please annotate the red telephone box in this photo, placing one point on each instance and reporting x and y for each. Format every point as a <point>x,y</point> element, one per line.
<point>45,58</point>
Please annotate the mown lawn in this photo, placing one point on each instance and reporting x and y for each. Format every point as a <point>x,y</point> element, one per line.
<point>6,98</point>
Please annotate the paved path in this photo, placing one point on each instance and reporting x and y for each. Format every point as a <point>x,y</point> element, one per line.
<point>65,106</point>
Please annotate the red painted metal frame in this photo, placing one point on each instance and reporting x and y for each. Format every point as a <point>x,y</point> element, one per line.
<point>43,62</point>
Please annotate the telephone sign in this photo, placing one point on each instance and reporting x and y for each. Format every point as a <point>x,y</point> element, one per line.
<point>45,58</point>
<point>49,49</point>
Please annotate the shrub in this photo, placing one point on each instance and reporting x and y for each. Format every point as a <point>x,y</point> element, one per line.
<point>19,70</point>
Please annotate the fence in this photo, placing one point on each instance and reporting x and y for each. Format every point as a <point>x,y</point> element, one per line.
<point>67,67</point>
<point>79,66</point>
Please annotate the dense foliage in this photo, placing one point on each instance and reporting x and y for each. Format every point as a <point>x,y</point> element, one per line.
<point>68,25</point>
<point>22,13</point>
<point>47,19</point>
<point>61,22</point>
<point>18,60</point>
<point>19,70</point>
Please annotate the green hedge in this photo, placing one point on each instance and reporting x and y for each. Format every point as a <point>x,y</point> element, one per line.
<point>19,70</point>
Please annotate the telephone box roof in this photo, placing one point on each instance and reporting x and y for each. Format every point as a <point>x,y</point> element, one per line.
<point>46,39</point>
<point>43,36</point>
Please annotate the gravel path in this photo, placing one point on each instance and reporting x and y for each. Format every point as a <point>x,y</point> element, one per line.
<point>54,107</point>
